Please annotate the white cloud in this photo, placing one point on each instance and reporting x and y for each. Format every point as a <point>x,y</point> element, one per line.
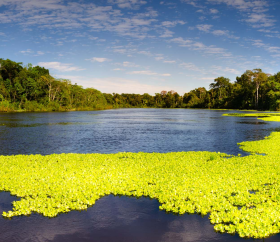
<point>121,51</point>
<point>98,59</point>
<point>208,78</point>
<point>254,11</point>
<point>28,51</point>
<point>207,29</point>
<point>220,32</point>
<point>170,62</point>
<point>118,69</point>
<point>169,24</point>
<point>59,66</point>
<point>148,73</point>
<point>158,58</point>
<point>242,4</point>
<point>190,66</point>
<point>222,69</point>
<point>167,33</point>
<point>268,31</point>
<point>181,41</point>
<point>224,33</point>
<point>127,3</point>
<point>191,2</point>
<point>198,46</point>
<point>214,11</point>
<point>231,70</point>
<point>259,20</point>
<point>274,50</point>
<point>258,43</point>
<point>129,64</point>
<point>204,27</point>
<point>143,52</point>
<point>58,14</point>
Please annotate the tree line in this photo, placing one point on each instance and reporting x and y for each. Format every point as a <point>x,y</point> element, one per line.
<point>32,88</point>
<point>252,90</point>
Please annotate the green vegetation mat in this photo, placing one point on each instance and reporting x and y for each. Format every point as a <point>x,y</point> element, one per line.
<point>263,116</point>
<point>242,194</point>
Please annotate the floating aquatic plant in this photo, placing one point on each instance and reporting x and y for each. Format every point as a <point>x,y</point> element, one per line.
<point>263,116</point>
<point>241,194</point>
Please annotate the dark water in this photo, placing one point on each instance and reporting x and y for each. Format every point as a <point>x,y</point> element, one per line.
<point>131,130</point>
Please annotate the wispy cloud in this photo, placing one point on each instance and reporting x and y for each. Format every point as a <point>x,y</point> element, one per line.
<point>169,24</point>
<point>198,46</point>
<point>58,14</point>
<point>158,58</point>
<point>127,3</point>
<point>182,42</point>
<point>190,66</point>
<point>222,69</point>
<point>204,27</point>
<point>208,78</point>
<point>260,20</point>
<point>98,59</point>
<point>169,62</point>
<point>269,31</point>
<point>144,52</point>
<point>192,2</point>
<point>62,67</point>
<point>28,51</point>
<point>167,33</point>
<point>40,53</point>
<point>129,64</point>
<point>225,33</point>
<point>244,5</point>
<point>214,11</point>
<point>207,29</point>
<point>254,11</point>
<point>273,50</point>
<point>148,73</point>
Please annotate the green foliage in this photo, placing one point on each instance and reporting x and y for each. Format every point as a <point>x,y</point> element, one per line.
<point>34,106</point>
<point>34,89</point>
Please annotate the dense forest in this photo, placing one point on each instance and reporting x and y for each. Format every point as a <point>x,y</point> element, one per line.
<point>253,90</point>
<point>32,88</point>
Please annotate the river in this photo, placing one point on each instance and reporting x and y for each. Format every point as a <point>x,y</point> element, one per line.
<point>122,130</point>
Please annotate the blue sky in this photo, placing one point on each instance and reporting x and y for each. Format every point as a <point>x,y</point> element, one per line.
<point>142,46</point>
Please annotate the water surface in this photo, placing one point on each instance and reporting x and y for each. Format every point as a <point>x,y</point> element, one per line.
<point>111,131</point>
